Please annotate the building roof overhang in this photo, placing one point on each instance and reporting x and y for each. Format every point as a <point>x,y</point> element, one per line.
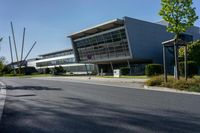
<point>98,28</point>
<point>56,52</point>
<point>172,42</point>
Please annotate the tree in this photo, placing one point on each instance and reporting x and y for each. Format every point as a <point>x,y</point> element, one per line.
<point>179,14</point>
<point>2,60</point>
<point>193,52</point>
<point>1,40</point>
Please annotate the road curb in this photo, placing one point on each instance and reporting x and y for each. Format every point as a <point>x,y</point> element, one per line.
<point>2,97</point>
<point>145,87</point>
<point>164,89</point>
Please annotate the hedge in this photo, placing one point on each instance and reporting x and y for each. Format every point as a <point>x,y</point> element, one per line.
<point>47,70</point>
<point>153,69</point>
<point>58,70</point>
<point>27,70</point>
<point>192,68</point>
<point>125,70</point>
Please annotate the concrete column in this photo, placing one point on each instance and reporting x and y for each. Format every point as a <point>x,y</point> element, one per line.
<point>129,66</point>
<point>112,66</point>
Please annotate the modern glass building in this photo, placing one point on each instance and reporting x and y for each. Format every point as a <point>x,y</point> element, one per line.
<point>125,42</point>
<point>64,58</point>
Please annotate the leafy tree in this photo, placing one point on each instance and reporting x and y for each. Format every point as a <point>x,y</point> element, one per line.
<point>193,52</point>
<point>179,14</point>
<point>1,67</point>
<point>1,40</point>
<point>2,60</point>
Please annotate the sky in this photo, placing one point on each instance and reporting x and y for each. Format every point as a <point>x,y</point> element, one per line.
<point>49,22</point>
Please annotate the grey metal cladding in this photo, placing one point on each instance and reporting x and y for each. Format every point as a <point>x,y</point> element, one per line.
<point>145,38</point>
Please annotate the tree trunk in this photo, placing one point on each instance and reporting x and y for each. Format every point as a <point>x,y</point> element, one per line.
<point>176,57</point>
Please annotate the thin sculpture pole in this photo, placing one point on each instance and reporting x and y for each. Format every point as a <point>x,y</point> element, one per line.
<point>13,34</point>
<point>11,51</point>
<point>28,53</point>
<point>23,44</point>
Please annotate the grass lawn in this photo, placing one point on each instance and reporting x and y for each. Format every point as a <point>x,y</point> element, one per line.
<point>129,77</point>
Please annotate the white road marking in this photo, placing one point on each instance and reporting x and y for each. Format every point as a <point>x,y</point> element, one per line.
<point>2,97</point>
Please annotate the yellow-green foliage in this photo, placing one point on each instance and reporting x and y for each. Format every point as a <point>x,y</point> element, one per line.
<point>192,84</point>
<point>155,81</point>
<point>193,52</point>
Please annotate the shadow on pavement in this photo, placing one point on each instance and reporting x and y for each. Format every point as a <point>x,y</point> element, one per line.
<point>76,115</point>
<point>31,88</point>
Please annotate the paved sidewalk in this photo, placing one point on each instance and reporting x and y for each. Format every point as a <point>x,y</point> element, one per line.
<point>116,82</point>
<point>92,78</point>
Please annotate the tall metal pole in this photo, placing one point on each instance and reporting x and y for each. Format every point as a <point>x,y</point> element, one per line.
<point>11,51</point>
<point>29,52</point>
<point>14,41</point>
<point>23,44</point>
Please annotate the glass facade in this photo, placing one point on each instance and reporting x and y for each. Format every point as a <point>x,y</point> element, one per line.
<point>56,62</point>
<point>58,54</point>
<point>103,46</point>
<point>81,68</point>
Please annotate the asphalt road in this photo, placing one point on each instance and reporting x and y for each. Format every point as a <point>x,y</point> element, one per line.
<point>42,106</point>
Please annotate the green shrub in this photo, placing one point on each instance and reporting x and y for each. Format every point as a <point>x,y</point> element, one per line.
<point>27,70</point>
<point>94,72</point>
<point>155,81</point>
<point>192,68</point>
<point>125,70</point>
<point>47,71</point>
<point>58,70</point>
<point>192,84</point>
<point>7,70</point>
<point>153,69</point>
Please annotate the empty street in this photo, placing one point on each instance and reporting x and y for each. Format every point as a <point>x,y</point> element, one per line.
<point>53,106</point>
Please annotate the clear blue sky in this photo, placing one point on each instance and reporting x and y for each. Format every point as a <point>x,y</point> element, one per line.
<point>50,21</point>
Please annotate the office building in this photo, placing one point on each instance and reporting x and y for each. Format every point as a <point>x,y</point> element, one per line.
<point>64,58</point>
<point>125,42</point>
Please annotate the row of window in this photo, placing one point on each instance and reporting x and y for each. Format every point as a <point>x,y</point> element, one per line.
<point>104,38</point>
<point>82,68</point>
<point>113,45</point>
<point>56,62</point>
<point>104,51</point>
<point>59,54</point>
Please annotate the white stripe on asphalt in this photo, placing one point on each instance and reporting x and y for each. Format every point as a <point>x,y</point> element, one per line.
<point>2,97</point>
